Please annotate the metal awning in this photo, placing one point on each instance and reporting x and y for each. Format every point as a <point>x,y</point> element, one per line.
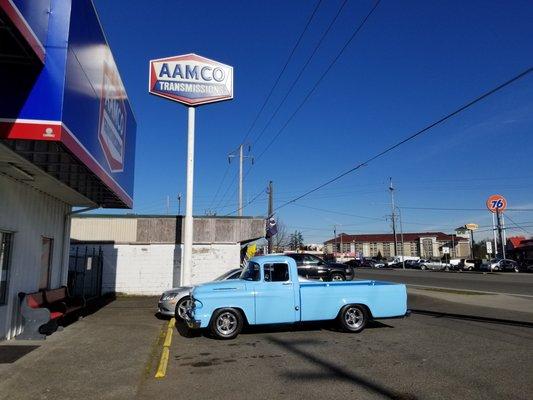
<point>49,167</point>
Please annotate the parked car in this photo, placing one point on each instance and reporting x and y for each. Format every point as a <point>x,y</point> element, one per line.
<point>398,264</point>
<point>470,265</point>
<point>433,265</point>
<point>500,265</point>
<point>313,267</point>
<point>373,263</point>
<point>176,300</point>
<point>400,259</point>
<point>412,264</point>
<point>525,265</point>
<point>355,263</point>
<point>269,292</point>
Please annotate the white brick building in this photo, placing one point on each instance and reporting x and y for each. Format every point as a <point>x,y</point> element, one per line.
<point>142,254</point>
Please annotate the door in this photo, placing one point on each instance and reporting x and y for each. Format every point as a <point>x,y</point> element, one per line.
<point>275,300</point>
<point>47,245</point>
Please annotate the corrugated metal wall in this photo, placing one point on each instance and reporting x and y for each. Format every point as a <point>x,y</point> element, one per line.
<point>29,214</point>
<point>119,230</point>
<point>161,230</point>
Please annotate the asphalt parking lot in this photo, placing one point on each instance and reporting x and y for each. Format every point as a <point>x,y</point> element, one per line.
<point>115,353</point>
<point>422,357</point>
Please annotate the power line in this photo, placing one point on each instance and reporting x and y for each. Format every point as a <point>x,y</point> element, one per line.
<point>460,209</point>
<point>518,226</point>
<point>340,212</point>
<point>321,78</point>
<point>224,195</point>
<point>309,20</point>
<point>302,70</point>
<point>220,186</point>
<point>413,136</point>
<point>247,204</point>
<point>291,54</point>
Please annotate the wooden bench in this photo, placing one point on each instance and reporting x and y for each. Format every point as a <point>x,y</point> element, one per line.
<point>42,311</point>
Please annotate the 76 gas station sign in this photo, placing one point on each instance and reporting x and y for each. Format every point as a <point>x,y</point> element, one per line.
<point>496,203</point>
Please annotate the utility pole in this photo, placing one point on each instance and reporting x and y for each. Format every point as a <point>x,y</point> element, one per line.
<point>179,203</point>
<point>335,240</point>
<point>393,208</point>
<point>500,232</point>
<point>168,204</point>
<point>401,237</point>
<point>240,153</point>
<point>270,210</point>
<point>342,252</point>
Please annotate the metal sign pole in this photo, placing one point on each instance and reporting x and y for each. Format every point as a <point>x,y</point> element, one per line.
<point>188,231</point>
<point>192,80</point>
<point>494,234</point>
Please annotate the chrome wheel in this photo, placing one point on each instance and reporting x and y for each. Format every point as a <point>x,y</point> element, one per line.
<point>337,278</point>
<point>182,307</point>
<point>354,318</point>
<point>226,324</point>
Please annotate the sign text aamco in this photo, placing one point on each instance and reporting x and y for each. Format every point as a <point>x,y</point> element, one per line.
<point>191,79</point>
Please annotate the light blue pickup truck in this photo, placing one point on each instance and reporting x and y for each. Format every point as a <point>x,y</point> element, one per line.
<point>269,291</point>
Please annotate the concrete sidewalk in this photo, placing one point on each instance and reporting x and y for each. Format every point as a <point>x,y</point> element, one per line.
<point>107,355</point>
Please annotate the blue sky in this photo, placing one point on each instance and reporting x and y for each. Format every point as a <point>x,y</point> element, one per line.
<point>412,63</point>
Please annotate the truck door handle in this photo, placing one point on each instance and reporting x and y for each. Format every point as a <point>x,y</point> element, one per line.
<point>287,283</point>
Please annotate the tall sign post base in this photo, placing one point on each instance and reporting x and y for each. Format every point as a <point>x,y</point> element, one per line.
<point>186,267</point>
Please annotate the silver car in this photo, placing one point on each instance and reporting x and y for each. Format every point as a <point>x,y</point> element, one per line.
<point>175,301</point>
<point>434,265</point>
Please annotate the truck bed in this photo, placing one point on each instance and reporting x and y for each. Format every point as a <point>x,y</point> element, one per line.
<point>323,300</point>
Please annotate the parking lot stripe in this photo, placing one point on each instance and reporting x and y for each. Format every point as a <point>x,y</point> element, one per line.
<point>163,362</point>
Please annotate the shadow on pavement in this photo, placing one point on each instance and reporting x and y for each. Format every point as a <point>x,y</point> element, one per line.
<point>184,331</point>
<point>438,314</point>
<point>11,353</point>
<point>334,371</point>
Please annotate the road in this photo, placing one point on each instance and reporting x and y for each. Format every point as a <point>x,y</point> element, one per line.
<point>510,283</point>
<point>421,357</point>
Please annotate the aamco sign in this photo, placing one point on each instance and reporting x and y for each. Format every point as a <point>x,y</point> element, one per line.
<point>496,203</point>
<point>113,115</point>
<point>191,79</point>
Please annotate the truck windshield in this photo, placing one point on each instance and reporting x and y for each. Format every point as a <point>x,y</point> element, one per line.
<point>252,272</point>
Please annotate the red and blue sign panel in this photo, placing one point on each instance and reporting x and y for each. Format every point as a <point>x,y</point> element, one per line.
<point>77,97</point>
<point>191,79</point>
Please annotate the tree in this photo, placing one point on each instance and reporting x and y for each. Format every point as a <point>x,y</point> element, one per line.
<point>296,240</point>
<point>379,257</point>
<point>480,249</point>
<point>281,239</point>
